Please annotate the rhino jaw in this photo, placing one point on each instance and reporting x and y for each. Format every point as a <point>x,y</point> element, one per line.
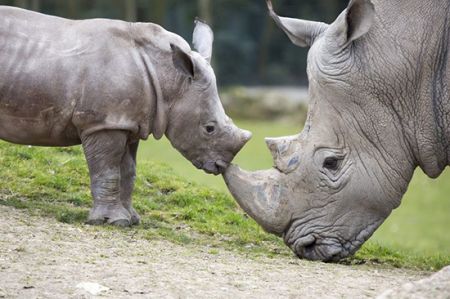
<point>262,195</point>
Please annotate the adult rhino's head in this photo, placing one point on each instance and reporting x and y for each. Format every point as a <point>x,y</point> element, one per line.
<point>199,128</point>
<point>336,182</point>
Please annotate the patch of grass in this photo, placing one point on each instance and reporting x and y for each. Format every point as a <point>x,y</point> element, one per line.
<point>374,253</point>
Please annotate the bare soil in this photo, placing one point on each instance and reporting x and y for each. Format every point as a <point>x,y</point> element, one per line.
<point>42,258</point>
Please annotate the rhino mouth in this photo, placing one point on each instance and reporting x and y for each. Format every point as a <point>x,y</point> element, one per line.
<point>314,248</point>
<point>327,248</point>
<point>212,167</point>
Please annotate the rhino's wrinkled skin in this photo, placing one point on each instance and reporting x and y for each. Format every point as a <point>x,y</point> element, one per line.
<point>379,107</point>
<point>107,84</point>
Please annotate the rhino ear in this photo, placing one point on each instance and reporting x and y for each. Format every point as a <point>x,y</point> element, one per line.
<point>354,22</point>
<point>182,61</point>
<point>302,33</point>
<point>203,39</point>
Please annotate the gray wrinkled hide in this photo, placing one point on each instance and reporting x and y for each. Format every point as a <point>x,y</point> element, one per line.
<point>108,84</point>
<point>379,107</point>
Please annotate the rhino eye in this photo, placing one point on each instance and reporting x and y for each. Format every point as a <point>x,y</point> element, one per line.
<point>331,163</point>
<point>210,129</point>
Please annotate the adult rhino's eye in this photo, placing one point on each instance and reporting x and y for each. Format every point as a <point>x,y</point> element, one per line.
<point>210,129</point>
<point>331,163</point>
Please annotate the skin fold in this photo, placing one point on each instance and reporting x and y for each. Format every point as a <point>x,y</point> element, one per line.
<point>108,84</point>
<point>379,108</point>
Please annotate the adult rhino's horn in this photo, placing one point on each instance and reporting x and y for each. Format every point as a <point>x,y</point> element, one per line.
<point>302,33</point>
<point>285,152</point>
<point>262,195</point>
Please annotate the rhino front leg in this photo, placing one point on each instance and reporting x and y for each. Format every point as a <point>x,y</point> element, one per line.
<point>127,177</point>
<point>104,152</point>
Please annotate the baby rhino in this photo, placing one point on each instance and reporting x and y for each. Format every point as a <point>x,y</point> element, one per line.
<point>107,84</point>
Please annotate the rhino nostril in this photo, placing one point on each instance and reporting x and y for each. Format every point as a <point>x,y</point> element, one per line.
<point>304,244</point>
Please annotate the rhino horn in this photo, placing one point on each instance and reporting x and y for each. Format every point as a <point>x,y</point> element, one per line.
<point>262,195</point>
<point>285,152</point>
<point>245,136</point>
<point>302,33</point>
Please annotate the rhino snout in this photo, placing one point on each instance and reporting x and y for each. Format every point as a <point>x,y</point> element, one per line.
<point>215,167</point>
<point>217,160</point>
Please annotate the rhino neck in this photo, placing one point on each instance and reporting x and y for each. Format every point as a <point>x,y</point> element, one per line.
<point>158,119</point>
<point>433,128</point>
<point>432,102</point>
<point>409,76</point>
<point>165,84</point>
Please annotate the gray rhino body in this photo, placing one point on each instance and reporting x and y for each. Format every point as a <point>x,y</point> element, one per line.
<point>107,84</point>
<point>379,107</point>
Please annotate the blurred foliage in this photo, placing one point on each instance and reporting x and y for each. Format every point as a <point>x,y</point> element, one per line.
<point>263,105</point>
<point>249,49</point>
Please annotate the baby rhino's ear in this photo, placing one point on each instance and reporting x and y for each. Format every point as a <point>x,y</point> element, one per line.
<point>203,39</point>
<point>182,61</point>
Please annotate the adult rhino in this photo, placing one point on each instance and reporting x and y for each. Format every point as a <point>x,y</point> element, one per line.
<point>379,107</point>
<point>108,84</point>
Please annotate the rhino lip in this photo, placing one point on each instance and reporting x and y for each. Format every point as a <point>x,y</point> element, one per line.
<point>222,165</point>
<point>310,248</point>
<point>216,168</point>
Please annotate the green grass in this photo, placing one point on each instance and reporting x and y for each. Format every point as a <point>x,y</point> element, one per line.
<point>422,222</point>
<point>54,182</point>
<point>373,252</point>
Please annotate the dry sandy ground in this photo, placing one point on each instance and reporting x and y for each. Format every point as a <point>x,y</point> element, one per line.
<point>41,258</point>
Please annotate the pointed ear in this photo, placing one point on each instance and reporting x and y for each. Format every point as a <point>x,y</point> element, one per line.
<point>353,23</point>
<point>203,39</point>
<point>182,61</point>
<point>302,33</point>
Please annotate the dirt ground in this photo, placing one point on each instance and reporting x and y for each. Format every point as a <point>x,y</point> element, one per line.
<point>41,258</point>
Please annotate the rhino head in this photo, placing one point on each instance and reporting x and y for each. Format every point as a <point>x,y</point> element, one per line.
<point>199,128</point>
<point>338,180</point>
